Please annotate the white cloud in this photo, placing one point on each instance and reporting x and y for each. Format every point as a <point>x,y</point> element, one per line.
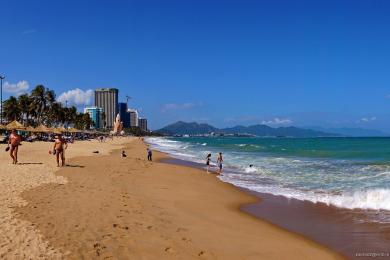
<point>16,88</point>
<point>241,119</point>
<point>367,119</point>
<point>30,31</point>
<point>277,121</point>
<point>183,106</point>
<point>77,97</point>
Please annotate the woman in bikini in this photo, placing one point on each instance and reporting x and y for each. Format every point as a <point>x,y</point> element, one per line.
<point>208,159</point>
<point>14,142</point>
<point>60,145</point>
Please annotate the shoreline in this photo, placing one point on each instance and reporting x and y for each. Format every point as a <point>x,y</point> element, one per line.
<point>336,228</point>
<point>112,199</point>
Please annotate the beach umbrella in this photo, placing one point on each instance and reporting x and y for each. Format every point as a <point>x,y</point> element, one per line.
<point>30,129</point>
<point>41,129</point>
<point>74,130</point>
<point>15,125</point>
<point>59,130</point>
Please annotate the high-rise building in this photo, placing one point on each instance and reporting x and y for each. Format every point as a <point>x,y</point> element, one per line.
<point>107,98</point>
<point>95,113</point>
<point>124,114</point>
<point>133,115</point>
<point>143,124</point>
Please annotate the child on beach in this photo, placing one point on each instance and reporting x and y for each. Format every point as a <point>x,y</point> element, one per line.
<point>123,154</point>
<point>208,159</point>
<point>149,154</point>
<point>220,163</point>
<point>60,145</point>
<point>14,142</point>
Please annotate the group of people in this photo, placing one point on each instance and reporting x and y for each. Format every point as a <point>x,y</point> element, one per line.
<point>15,140</point>
<point>219,162</point>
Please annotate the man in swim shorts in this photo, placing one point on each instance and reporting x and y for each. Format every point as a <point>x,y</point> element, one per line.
<point>13,143</point>
<point>60,145</point>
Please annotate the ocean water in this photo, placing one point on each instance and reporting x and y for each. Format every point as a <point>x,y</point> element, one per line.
<point>351,173</point>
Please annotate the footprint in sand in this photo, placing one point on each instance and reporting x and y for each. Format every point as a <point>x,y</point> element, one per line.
<point>169,249</point>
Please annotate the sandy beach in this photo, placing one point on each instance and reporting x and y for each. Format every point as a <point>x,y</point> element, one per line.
<point>105,206</point>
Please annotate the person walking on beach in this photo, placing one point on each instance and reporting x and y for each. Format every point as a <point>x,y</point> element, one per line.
<point>220,163</point>
<point>208,160</point>
<point>14,142</point>
<point>149,154</point>
<point>60,145</point>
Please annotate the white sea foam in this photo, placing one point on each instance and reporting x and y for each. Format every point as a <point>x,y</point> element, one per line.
<point>337,183</point>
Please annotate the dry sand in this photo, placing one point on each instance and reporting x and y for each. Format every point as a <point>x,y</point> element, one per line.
<point>129,208</point>
<point>19,239</point>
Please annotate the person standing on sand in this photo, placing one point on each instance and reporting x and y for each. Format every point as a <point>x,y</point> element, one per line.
<point>220,163</point>
<point>208,159</point>
<point>149,154</point>
<point>14,142</point>
<point>60,145</point>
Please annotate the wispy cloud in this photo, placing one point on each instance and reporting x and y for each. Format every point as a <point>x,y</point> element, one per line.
<point>277,121</point>
<point>241,119</point>
<point>183,106</point>
<point>77,97</point>
<point>30,31</point>
<point>367,119</point>
<point>16,88</point>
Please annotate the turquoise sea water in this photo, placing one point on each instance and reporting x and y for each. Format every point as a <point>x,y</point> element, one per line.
<point>344,172</point>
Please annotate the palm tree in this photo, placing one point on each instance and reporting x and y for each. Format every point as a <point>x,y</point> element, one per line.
<point>11,109</point>
<point>55,114</point>
<point>24,103</point>
<point>42,99</point>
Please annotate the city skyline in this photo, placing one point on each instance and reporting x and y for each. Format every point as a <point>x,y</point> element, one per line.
<point>222,64</point>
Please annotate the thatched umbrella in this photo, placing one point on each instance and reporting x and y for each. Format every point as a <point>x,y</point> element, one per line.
<point>41,129</point>
<point>2,126</point>
<point>30,129</point>
<point>74,130</point>
<point>58,130</point>
<point>15,125</point>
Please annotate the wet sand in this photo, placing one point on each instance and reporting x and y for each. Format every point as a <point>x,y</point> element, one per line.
<point>129,208</point>
<point>349,232</point>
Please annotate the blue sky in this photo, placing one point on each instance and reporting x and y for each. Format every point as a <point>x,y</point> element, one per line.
<point>303,63</point>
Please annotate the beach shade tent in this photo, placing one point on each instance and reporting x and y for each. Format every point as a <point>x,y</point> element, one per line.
<point>74,130</point>
<point>15,125</point>
<point>30,129</point>
<point>42,129</point>
<point>59,130</point>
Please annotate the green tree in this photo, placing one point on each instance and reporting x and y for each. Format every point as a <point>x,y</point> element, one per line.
<point>11,110</point>
<point>42,98</point>
<point>24,103</point>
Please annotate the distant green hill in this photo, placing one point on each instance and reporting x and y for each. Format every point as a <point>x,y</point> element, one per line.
<point>183,128</point>
<point>353,132</point>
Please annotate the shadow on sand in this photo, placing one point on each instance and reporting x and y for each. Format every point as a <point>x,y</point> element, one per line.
<point>28,163</point>
<point>75,166</point>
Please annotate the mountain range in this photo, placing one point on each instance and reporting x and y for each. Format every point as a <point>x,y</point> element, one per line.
<point>184,128</point>
<point>352,132</point>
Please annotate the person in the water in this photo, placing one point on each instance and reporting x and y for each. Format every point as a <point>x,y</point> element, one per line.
<point>220,163</point>
<point>208,160</point>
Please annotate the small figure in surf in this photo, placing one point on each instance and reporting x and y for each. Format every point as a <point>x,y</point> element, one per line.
<point>13,145</point>
<point>208,160</point>
<point>220,163</point>
<point>60,145</point>
<point>149,154</point>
